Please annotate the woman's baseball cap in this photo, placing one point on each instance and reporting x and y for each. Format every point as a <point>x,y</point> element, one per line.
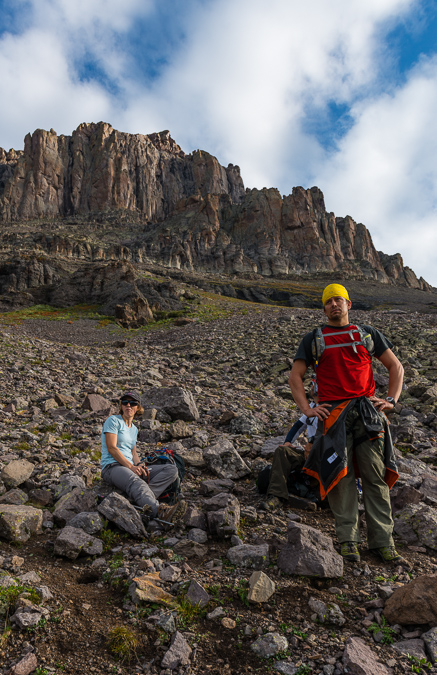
<point>132,395</point>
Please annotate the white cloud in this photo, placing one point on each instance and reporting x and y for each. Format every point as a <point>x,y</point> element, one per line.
<point>385,173</point>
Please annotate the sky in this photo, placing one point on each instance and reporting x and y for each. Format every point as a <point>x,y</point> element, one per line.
<point>339,94</point>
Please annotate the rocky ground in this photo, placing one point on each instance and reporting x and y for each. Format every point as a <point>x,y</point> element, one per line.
<point>235,589</point>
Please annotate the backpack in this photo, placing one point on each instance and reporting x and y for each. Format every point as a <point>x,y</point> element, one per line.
<point>318,345</point>
<point>165,456</point>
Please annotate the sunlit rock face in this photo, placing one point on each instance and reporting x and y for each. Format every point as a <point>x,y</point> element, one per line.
<point>196,214</point>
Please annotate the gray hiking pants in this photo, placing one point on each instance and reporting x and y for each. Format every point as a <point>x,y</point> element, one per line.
<point>138,490</point>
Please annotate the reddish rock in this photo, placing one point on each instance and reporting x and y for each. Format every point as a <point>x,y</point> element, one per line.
<point>415,603</point>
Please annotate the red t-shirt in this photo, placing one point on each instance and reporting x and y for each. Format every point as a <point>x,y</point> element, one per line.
<point>341,372</point>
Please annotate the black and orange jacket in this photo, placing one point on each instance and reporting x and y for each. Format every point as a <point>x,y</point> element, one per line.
<point>327,460</point>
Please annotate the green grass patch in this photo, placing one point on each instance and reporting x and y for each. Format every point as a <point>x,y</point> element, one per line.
<point>53,314</point>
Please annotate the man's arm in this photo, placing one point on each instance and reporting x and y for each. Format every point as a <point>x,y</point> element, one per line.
<point>395,379</point>
<point>297,389</point>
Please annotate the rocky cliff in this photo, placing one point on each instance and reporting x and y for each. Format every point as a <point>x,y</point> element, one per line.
<point>186,211</point>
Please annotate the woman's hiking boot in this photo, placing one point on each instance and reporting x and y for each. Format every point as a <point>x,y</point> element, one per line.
<point>172,514</point>
<point>349,551</point>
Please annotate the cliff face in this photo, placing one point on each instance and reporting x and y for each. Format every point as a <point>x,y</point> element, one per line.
<point>194,213</point>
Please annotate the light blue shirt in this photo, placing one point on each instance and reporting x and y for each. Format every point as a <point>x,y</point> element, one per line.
<point>126,439</point>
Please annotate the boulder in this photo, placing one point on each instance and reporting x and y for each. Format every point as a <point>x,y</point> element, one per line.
<point>414,603</point>
<point>358,659</point>
<point>197,595</point>
<point>71,542</point>
<point>261,587</point>
<point>91,523</point>
<point>223,460</point>
<point>178,654</point>
<point>120,511</point>
<point>246,555</point>
<point>417,524</point>
<point>19,523</point>
<point>269,645</point>
<point>96,403</point>
<point>16,472</point>
<point>309,552</point>
<point>178,403</point>
<point>76,501</point>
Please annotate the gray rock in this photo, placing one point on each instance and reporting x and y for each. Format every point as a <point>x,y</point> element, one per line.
<point>417,524</point>
<point>198,535</point>
<point>178,403</point>
<point>19,523</point>
<point>359,659</point>
<point>16,472</point>
<point>195,518</point>
<point>327,612</point>
<point>247,425</point>
<point>193,457</point>
<point>415,647</point>
<point>216,613</point>
<point>170,573</point>
<point>223,514</point>
<point>270,446</point>
<point>309,552</point>
<point>261,587</point>
<point>72,541</point>
<point>44,593</point>
<point>285,667</point>
<point>96,403</point>
<point>269,645</point>
<point>120,511</point>
<point>25,617</point>
<point>190,549</point>
<point>15,496</point>
<point>67,483</point>
<point>178,654</point>
<point>249,556</point>
<point>167,622</point>
<point>223,460</point>
<point>76,501</point>
<point>430,640</point>
<point>211,487</point>
<point>197,595</point>
<point>25,666</point>
<point>91,523</point>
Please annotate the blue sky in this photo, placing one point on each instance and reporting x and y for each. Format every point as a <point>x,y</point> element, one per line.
<point>341,95</point>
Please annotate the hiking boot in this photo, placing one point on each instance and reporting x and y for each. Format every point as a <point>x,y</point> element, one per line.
<point>349,551</point>
<point>271,504</point>
<point>389,555</point>
<point>172,514</point>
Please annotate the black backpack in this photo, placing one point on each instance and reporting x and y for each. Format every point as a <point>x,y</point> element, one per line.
<point>298,483</point>
<point>165,456</point>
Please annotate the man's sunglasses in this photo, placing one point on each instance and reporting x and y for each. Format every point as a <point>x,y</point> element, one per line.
<point>133,404</point>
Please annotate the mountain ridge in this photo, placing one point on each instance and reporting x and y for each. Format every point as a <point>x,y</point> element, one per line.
<point>104,196</point>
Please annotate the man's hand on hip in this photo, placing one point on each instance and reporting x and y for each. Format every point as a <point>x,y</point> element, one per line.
<point>321,411</point>
<point>381,404</point>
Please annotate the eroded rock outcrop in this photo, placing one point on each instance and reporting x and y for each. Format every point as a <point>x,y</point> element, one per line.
<point>184,210</point>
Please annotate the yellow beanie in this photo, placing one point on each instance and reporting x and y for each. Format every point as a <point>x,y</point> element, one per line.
<point>334,291</point>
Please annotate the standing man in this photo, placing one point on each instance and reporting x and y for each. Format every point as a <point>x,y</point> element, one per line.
<point>353,437</point>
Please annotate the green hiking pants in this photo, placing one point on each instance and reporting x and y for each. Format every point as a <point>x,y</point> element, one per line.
<point>285,460</point>
<point>343,498</point>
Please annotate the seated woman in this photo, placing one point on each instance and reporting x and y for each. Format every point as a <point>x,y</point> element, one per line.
<point>121,465</point>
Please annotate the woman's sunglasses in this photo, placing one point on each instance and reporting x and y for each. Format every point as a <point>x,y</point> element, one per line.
<point>132,404</point>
